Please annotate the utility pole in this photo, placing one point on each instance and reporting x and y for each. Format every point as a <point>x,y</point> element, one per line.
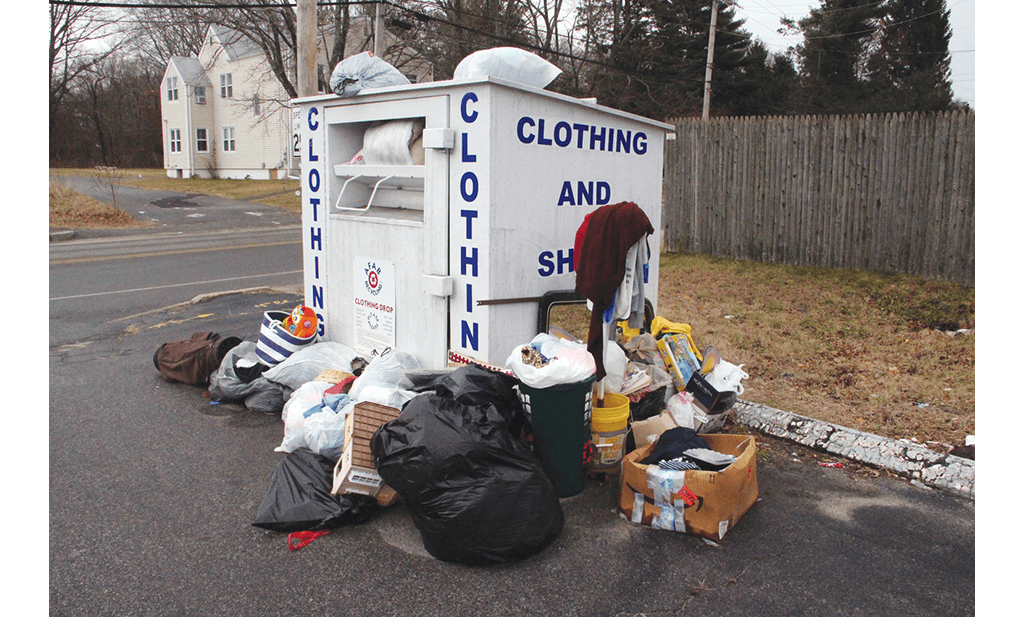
<point>305,32</point>
<point>711,60</point>
<point>378,29</point>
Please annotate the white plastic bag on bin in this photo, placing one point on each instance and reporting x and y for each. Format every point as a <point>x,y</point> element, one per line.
<point>510,63</point>
<point>569,362</point>
<point>362,71</point>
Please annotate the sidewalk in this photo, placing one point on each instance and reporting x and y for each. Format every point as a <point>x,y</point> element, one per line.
<point>922,465</point>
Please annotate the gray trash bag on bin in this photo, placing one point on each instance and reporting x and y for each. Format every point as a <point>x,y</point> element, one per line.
<point>363,71</point>
<point>476,494</point>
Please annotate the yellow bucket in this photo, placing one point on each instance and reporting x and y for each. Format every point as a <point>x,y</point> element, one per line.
<point>609,421</point>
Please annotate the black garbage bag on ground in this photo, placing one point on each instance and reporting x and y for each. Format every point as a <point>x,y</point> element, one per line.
<point>299,497</point>
<point>477,495</point>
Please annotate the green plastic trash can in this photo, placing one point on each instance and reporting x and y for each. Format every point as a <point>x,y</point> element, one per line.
<point>560,416</point>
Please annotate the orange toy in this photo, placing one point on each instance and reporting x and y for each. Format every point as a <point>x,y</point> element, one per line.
<point>302,322</point>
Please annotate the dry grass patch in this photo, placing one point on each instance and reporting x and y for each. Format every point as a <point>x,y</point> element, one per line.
<point>878,353</point>
<point>70,208</point>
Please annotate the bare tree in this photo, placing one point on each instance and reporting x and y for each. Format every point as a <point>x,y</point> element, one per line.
<point>159,33</point>
<point>75,34</point>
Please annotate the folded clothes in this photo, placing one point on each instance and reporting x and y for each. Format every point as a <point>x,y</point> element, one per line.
<point>672,443</point>
<point>708,459</point>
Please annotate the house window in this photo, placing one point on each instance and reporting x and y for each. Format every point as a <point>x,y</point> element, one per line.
<point>229,139</point>
<point>175,140</point>
<point>225,85</point>
<point>255,105</point>
<point>200,95</point>
<point>321,83</point>
<point>202,144</point>
<point>172,88</point>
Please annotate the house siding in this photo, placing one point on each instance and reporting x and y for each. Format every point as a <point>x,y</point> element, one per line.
<point>263,142</point>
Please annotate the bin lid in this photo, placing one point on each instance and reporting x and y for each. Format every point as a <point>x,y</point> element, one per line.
<point>432,87</point>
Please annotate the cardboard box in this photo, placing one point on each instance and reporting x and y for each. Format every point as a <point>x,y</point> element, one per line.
<point>651,427</point>
<point>356,470</point>
<point>701,503</point>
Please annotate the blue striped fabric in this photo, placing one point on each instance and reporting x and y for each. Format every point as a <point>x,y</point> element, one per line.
<point>275,343</point>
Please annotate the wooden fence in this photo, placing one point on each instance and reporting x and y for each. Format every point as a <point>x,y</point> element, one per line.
<point>892,193</point>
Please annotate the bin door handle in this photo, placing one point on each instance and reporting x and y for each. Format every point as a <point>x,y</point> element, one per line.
<point>438,285</point>
<point>439,139</point>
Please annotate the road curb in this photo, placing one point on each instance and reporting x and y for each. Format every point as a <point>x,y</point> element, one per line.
<point>905,458</point>
<point>59,235</point>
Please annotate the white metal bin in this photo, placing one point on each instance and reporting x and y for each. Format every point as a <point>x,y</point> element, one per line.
<point>453,255</point>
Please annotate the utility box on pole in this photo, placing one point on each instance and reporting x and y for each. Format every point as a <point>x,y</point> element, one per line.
<point>452,256</point>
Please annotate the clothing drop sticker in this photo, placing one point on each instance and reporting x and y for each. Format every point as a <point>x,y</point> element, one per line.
<point>374,297</point>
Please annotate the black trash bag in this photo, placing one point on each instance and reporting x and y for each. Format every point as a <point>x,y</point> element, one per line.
<point>475,385</point>
<point>649,405</point>
<point>477,495</point>
<point>300,499</point>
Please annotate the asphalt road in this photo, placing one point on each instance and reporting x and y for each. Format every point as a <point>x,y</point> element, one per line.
<point>152,491</point>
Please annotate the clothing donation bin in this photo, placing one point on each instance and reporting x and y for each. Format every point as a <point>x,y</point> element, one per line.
<point>450,255</point>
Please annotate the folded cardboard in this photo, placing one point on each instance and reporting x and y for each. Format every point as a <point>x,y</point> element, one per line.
<point>356,470</point>
<point>701,503</point>
<point>645,430</point>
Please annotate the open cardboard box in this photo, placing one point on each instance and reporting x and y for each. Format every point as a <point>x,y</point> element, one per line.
<point>701,503</point>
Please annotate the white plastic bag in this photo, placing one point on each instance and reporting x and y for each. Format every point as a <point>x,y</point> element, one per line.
<point>681,408</point>
<point>510,63</point>
<point>387,371</point>
<point>307,363</point>
<point>391,143</point>
<point>569,363</point>
<point>308,395</point>
<point>615,364</point>
<point>727,377</point>
<point>362,71</point>
<point>324,431</point>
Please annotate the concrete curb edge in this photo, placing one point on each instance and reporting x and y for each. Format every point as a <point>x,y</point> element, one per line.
<point>905,458</point>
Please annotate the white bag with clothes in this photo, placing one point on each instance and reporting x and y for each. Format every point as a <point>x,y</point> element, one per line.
<point>510,63</point>
<point>324,431</point>
<point>569,362</point>
<point>363,71</point>
<point>308,395</point>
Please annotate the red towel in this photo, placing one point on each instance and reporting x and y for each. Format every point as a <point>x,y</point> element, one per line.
<point>602,242</point>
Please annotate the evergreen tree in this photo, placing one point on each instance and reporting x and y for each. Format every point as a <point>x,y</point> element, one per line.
<point>657,53</point>
<point>837,38</point>
<point>909,71</point>
<point>765,86</point>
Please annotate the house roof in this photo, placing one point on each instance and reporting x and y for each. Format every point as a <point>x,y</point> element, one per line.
<point>235,44</point>
<point>191,71</point>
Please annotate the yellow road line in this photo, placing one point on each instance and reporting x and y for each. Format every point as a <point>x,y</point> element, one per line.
<point>78,260</point>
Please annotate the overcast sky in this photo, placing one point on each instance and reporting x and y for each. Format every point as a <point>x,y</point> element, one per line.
<point>762,21</point>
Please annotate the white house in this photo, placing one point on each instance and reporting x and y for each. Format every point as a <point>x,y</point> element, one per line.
<point>225,115</point>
